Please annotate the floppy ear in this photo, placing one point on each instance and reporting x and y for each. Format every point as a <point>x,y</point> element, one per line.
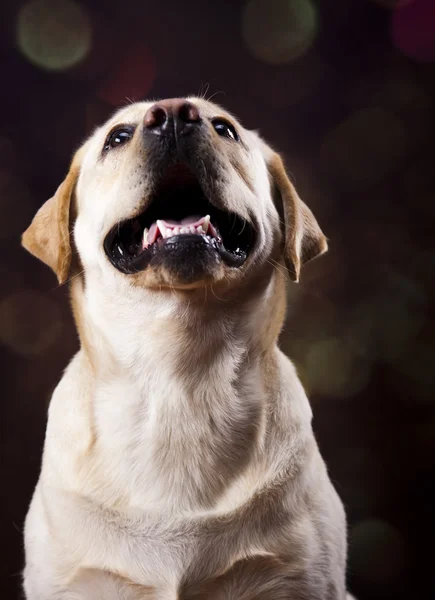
<point>304,239</point>
<point>48,236</point>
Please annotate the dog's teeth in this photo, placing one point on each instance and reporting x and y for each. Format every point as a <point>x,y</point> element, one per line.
<point>145,238</point>
<point>192,230</point>
<point>162,227</point>
<point>183,230</point>
<point>199,229</point>
<point>176,230</point>
<point>206,223</point>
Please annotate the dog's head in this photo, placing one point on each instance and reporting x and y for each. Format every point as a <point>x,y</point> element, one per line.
<point>174,194</point>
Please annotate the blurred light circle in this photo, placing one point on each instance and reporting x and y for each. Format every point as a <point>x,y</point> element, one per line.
<point>132,78</point>
<point>391,4</point>
<point>54,34</point>
<point>364,483</point>
<point>12,275</point>
<point>377,553</point>
<point>393,90</point>
<point>289,85</point>
<point>383,324</point>
<point>333,370</point>
<point>16,206</point>
<point>279,31</point>
<point>364,148</point>
<point>418,366</point>
<point>30,322</point>
<point>413,29</point>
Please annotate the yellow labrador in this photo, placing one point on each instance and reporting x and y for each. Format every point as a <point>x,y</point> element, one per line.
<point>179,458</point>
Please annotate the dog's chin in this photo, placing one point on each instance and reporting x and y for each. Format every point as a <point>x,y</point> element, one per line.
<point>182,262</point>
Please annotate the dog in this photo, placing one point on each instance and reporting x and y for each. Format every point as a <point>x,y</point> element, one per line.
<point>179,458</point>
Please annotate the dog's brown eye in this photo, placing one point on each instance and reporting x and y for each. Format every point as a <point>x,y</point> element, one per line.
<point>118,137</point>
<point>225,129</point>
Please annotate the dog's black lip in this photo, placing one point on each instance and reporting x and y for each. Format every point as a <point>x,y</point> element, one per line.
<point>181,179</point>
<point>132,265</point>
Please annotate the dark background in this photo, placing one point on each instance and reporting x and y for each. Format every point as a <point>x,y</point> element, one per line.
<point>345,90</point>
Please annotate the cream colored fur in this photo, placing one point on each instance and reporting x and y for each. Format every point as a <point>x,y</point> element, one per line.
<point>179,459</point>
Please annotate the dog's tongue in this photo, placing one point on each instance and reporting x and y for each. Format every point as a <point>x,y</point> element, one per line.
<point>186,225</point>
<point>195,221</point>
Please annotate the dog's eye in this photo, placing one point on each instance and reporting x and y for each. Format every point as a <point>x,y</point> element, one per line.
<point>225,129</point>
<point>118,137</point>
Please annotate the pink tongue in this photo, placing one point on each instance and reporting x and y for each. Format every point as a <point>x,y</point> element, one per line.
<point>195,220</point>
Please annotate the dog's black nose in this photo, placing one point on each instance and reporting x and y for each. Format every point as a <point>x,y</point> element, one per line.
<point>175,115</point>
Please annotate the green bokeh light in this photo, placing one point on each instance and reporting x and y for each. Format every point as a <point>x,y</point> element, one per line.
<point>279,31</point>
<point>54,34</point>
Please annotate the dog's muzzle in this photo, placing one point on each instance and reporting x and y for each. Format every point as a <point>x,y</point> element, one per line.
<point>184,226</point>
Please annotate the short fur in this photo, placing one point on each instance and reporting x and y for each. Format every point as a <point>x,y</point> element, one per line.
<point>179,459</point>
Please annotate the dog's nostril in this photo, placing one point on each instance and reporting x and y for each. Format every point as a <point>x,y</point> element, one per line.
<point>155,117</point>
<point>172,117</point>
<point>189,113</point>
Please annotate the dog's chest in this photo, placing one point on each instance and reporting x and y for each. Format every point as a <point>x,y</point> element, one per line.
<point>167,449</point>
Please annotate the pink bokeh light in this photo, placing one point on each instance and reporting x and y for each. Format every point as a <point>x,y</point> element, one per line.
<point>131,79</point>
<point>413,29</point>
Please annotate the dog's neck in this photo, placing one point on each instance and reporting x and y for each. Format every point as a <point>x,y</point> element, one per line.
<point>185,375</point>
<point>184,334</point>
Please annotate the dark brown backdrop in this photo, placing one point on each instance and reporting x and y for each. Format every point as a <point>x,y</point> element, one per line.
<point>351,106</point>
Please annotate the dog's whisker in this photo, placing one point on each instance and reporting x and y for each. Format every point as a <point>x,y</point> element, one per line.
<point>69,280</point>
<point>203,92</point>
<point>278,267</point>
<point>215,94</point>
<point>215,295</point>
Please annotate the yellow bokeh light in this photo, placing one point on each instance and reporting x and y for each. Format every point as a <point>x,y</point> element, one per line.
<point>279,31</point>
<point>30,322</point>
<point>54,34</point>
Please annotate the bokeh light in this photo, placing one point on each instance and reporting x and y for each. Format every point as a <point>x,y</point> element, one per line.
<point>383,324</point>
<point>364,148</point>
<point>54,34</point>
<point>132,79</point>
<point>377,554</point>
<point>365,485</point>
<point>418,366</point>
<point>391,4</point>
<point>30,322</point>
<point>413,29</point>
<point>333,369</point>
<point>286,86</point>
<point>279,31</point>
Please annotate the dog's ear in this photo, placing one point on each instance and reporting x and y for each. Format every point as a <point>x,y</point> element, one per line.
<point>303,238</point>
<point>48,236</point>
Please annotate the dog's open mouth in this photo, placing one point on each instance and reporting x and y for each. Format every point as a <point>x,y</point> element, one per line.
<point>179,215</point>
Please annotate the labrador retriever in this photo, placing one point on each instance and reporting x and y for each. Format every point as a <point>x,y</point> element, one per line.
<point>179,458</point>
